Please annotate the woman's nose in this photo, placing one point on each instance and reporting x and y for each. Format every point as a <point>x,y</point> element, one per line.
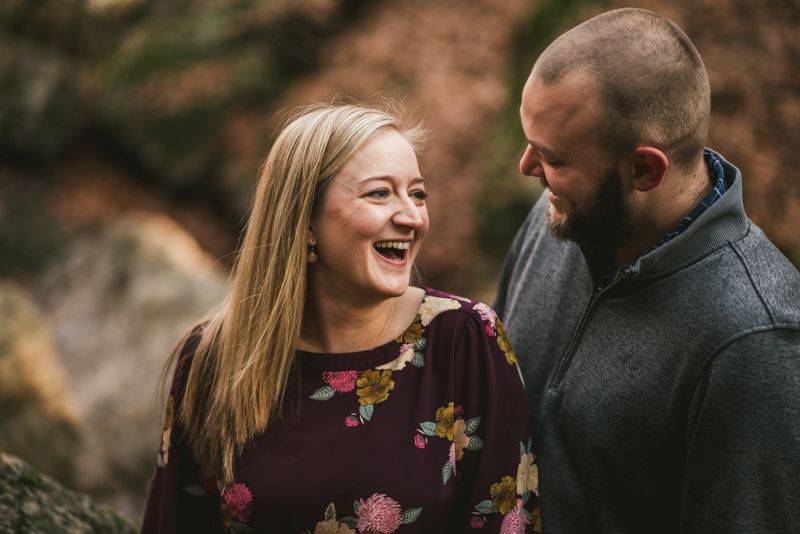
<point>409,214</point>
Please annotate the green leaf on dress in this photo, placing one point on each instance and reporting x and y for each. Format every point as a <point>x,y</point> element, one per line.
<point>530,444</point>
<point>420,343</point>
<point>351,522</point>
<point>475,443</point>
<point>330,512</point>
<point>429,428</point>
<point>522,450</point>
<point>418,360</point>
<point>528,515</point>
<point>366,411</point>
<point>356,507</point>
<point>526,496</point>
<point>484,507</point>
<point>195,489</point>
<point>240,527</point>
<point>447,472</point>
<point>410,515</point>
<point>472,425</point>
<point>323,393</point>
<point>160,461</point>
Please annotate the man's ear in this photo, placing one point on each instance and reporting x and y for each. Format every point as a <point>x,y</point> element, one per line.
<point>648,168</point>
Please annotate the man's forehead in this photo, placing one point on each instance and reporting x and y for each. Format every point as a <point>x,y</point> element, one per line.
<point>568,104</point>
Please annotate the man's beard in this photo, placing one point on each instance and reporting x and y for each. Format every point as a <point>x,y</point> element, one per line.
<point>602,220</point>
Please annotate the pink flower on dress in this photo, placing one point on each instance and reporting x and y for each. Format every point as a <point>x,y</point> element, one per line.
<point>419,441</point>
<point>477,521</point>
<point>341,381</point>
<point>208,483</point>
<point>379,513</point>
<point>351,420</point>
<point>237,500</point>
<point>453,455</point>
<point>487,314</point>
<point>514,522</point>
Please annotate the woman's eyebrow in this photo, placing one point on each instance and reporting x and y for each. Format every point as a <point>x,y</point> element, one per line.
<point>388,178</point>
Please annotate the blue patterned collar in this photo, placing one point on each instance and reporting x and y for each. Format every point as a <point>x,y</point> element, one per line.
<point>714,168</point>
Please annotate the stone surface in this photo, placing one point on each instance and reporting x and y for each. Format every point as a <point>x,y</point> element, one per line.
<point>118,301</point>
<point>31,503</point>
<point>38,418</point>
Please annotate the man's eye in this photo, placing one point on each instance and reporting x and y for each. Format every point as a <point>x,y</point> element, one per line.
<point>419,195</point>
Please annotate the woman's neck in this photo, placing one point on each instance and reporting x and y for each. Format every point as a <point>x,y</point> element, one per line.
<point>335,325</point>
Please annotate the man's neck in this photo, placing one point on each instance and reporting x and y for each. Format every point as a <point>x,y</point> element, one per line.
<point>663,210</point>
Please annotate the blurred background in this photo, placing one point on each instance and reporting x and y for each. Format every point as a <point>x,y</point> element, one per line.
<point>130,136</point>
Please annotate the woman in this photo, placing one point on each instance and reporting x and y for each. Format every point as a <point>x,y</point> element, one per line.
<point>327,395</point>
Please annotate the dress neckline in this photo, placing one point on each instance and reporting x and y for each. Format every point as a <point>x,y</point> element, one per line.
<point>363,359</point>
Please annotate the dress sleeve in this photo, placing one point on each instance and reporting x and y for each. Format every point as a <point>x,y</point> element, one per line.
<point>181,498</point>
<point>742,470</point>
<point>492,444</point>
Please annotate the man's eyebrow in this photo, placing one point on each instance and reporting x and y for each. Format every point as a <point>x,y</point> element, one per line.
<point>546,152</point>
<point>387,178</point>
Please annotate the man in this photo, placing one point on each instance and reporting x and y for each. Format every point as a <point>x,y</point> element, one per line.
<point>657,328</point>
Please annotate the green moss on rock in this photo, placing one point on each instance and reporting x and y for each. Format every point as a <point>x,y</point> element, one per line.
<point>34,503</point>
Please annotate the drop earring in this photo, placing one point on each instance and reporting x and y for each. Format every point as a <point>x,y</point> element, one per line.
<point>312,257</point>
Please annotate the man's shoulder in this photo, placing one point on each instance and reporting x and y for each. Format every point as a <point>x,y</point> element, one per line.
<point>773,277</point>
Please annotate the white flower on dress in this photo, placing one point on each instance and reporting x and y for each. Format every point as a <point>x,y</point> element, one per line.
<point>433,306</point>
<point>406,355</point>
<point>527,475</point>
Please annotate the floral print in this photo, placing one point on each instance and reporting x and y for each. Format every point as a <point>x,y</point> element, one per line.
<point>508,497</point>
<point>450,424</point>
<point>374,386</point>
<point>527,475</point>
<point>433,306</point>
<point>378,513</point>
<point>503,495</point>
<point>412,332</point>
<point>515,521</point>
<point>341,382</point>
<point>488,315</point>
<point>505,344</point>
<point>163,450</point>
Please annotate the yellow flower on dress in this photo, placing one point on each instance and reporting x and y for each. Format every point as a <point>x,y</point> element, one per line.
<point>504,497</point>
<point>331,526</point>
<point>505,344</point>
<point>433,306</point>
<point>445,417</point>
<point>412,332</point>
<point>536,516</point>
<point>527,475</point>
<point>460,437</point>
<point>170,411</point>
<point>373,386</point>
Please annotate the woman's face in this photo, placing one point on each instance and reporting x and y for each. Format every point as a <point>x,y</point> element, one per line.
<point>371,222</point>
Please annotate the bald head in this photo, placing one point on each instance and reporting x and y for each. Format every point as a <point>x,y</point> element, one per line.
<point>651,82</point>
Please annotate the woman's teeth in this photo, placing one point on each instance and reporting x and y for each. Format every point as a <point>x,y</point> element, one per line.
<point>392,244</point>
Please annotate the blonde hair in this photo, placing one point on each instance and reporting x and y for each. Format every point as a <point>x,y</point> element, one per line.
<point>241,365</point>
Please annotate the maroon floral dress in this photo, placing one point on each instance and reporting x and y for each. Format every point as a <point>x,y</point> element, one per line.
<point>427,433</point>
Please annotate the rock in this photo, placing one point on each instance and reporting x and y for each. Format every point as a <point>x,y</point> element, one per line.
<point>38,419</point>
<point>117,303</point>
<point>32,503</point>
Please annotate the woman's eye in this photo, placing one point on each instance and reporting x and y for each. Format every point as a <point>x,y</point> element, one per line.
<point>380,193</point>
<point>419,195</point>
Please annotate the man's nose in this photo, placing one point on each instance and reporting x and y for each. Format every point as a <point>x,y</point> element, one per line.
<point>530,164</point>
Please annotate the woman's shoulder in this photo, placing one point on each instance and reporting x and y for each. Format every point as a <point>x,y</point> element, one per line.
<point>438,302</point>
<point>475,319</point>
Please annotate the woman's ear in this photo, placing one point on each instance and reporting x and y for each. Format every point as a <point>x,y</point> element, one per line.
<point>312,239</point>
<point>648,168</point>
